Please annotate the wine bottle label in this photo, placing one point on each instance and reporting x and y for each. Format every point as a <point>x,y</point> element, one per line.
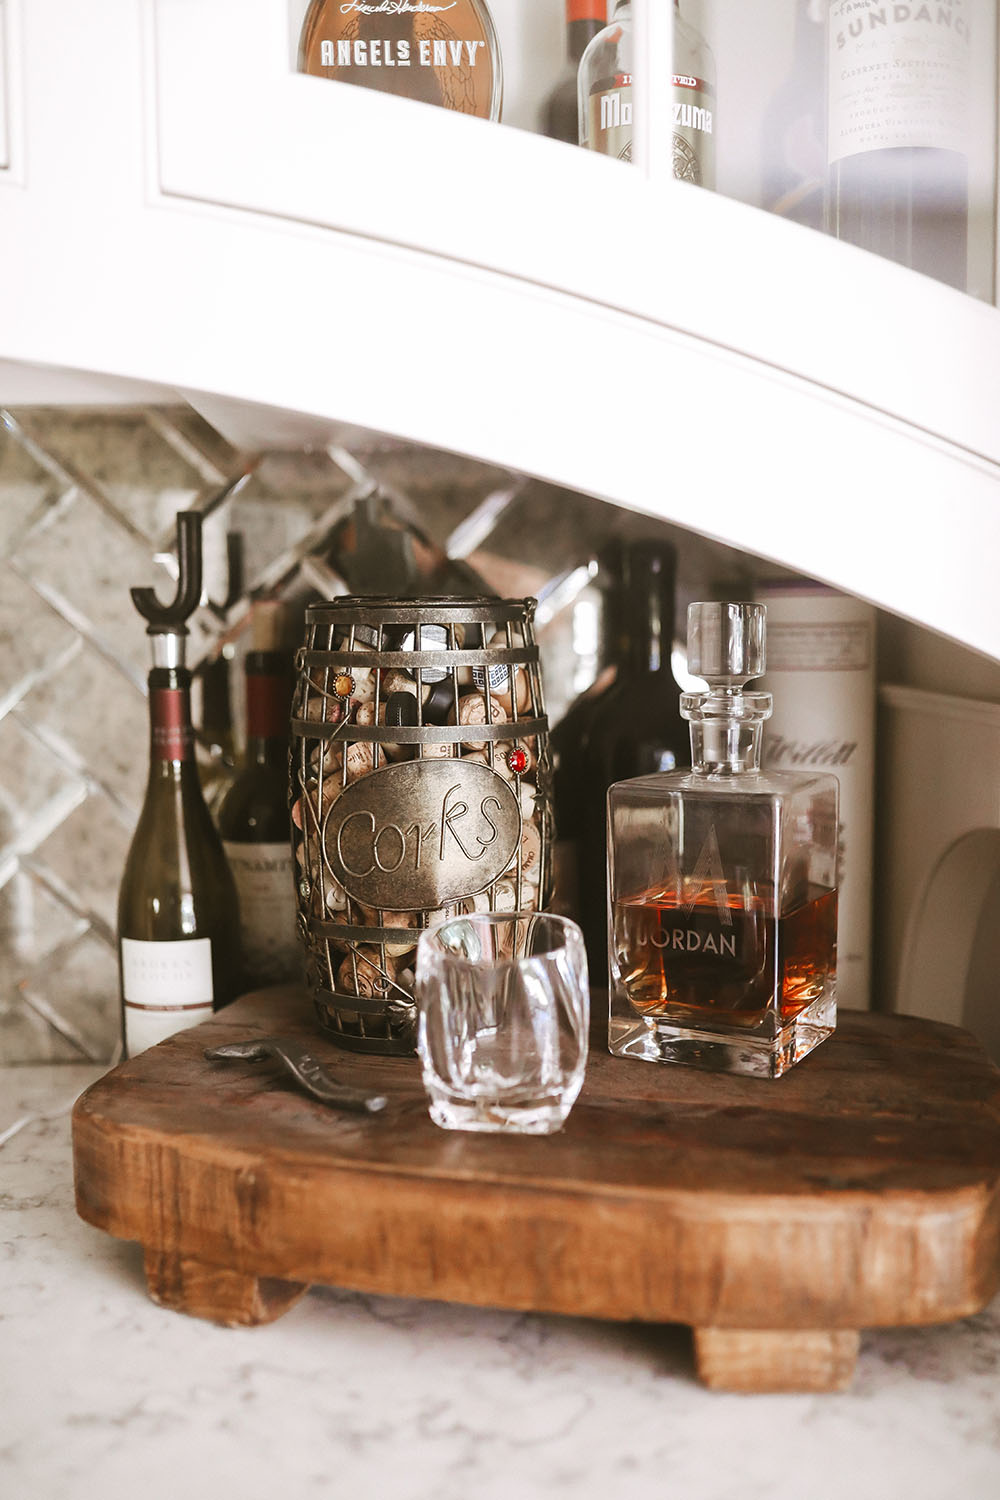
<point>821,666</point>
<point>265,886</point>
<point>172,737</point>
<point>268,706</point>
<point>899,75</point>
<point>693,120</point>
<point>442,53</point>
<point>166,988</point>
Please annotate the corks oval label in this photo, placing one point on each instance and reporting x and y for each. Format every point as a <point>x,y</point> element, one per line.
<point>423,834</point>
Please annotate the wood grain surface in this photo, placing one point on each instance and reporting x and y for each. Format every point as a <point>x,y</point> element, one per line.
<point>862,1189</point>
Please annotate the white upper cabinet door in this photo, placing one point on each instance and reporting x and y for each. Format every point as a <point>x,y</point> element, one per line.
<point>296,255</point>
<point>11,151</point>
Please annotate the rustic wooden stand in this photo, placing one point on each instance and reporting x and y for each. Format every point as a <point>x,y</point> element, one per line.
<point>775,1218</point>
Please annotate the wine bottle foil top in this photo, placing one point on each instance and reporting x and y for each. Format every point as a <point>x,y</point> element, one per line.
<point>401,710</point>
<point>432,638</point>
<point>364,635</point>
<point>726,641</point>
<point>498,678</point>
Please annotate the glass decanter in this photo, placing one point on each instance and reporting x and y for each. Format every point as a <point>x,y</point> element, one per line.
<point>723,882</point>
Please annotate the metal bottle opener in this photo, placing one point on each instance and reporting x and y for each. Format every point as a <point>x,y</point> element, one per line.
<point>309,1073</point>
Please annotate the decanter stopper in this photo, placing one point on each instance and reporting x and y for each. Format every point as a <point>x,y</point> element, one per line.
<point>726,642</point>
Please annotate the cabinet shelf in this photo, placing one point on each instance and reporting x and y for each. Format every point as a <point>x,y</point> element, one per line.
<point>297,257</point>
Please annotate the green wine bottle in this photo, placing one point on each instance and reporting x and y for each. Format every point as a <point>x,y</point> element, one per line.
<point>178,922</point>
<point>256,828</point>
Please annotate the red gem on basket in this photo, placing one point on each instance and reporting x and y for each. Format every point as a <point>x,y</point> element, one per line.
<point>517,761</point>
<point>344,685</point>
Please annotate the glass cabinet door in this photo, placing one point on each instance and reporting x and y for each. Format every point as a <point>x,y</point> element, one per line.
<point>871,120</point>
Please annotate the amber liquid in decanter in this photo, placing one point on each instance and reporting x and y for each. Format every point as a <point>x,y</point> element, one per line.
<point>686,961</point>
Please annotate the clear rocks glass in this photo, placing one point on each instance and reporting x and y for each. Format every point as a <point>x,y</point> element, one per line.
<point>504,1014</point>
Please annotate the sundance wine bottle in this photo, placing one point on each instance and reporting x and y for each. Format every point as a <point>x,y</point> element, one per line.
<point>177,918</point>
<point>899,97</point>
<point>637,727</point>
<point>255,825</point>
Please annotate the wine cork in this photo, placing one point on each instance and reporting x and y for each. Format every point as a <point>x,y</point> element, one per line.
<point>364,684</point>
<point>445,914</point>
<point>397,946</point>
<point>325,753</point>
<point>320,706</point>
<point>504,896</point>
<point>363,973</point>
<point>401,682</point>
<point>530,897</point>
<point>508,683</point>
<point>527,794</point>
<point>439,752</point>
<point>531,852</point>
<point>360,757</point>
<point>516,759</point>
<point>336,896</point>
<point>472,711</point>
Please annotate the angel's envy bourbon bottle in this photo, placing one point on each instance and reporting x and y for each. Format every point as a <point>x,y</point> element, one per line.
<point>437,51</point>
<point>723,882</point>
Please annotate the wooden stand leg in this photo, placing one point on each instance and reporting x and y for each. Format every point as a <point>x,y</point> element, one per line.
<point>785,1359</point>
<point>213,1292</point>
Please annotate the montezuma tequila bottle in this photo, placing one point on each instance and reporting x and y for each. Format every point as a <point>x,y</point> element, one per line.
<point>437,51</point>
<point>722,882</point>
<point>605,96</point>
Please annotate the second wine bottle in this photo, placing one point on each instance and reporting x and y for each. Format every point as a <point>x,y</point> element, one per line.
<point>636,727</point>
<point>254,817</point>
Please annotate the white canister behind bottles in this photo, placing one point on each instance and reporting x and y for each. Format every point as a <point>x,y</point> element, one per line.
<point>821,670</point>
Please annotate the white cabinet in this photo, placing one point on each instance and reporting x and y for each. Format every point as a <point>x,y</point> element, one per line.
<point>296,256</point>
<point>181,213</point>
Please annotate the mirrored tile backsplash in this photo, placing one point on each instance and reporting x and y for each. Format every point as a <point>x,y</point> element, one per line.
<point>88,504</point>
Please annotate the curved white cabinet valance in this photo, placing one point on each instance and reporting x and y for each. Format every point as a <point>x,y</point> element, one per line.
<point>181,209</point>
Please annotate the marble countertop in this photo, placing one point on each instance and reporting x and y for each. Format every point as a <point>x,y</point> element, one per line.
<point>104,1395</point>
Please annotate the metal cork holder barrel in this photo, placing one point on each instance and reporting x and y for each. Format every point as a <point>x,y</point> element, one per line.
<point>420,789</point>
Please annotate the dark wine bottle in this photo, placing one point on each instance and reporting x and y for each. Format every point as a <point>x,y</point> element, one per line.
<point>560,113</point>
<point>900,84</point>
<point>793,129</point>
<point>177,917</point>
<point>636,727</point>
<point>568,738</point>
<point>214,740</point>
<point>254,820</point>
